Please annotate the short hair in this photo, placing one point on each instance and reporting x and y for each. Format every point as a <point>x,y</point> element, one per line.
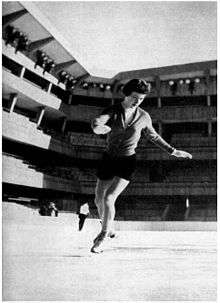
<point>136,85</point>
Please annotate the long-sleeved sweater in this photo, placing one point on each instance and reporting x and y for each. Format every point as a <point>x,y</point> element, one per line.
<point>122,140</point>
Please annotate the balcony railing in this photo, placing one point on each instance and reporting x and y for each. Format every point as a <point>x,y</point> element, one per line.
<point>183,113</point>
<point>193,140</point>
<point>86,146</point>
<point>26,90</point>
<point>165,114</point>
<point>28,64</point>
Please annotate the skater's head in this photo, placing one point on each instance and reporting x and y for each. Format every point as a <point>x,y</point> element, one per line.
<point>136,85</point>
<point>135,92</point>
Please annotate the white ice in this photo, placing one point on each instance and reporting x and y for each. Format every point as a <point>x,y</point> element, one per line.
<point>48,259</point>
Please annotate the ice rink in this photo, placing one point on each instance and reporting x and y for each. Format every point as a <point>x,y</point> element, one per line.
<point>47,259</point>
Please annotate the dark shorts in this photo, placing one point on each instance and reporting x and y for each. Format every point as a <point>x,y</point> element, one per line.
<point>122,167</point>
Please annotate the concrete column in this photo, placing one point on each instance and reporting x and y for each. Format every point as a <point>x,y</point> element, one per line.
<point>22,72</point>
<point>160,129</point>
<point>187,212</point>
<point>209,128</point>
<point>208,100</point>
<point>157,81</point>
<point>70,99</point>
<point>49,88</point>
<point>64,124</point>
<point>186,215</point>
<point>165,212</point>
<point>159,102</point>
<point>13,101</point>
<point>207,78</point>
<point>40,115</point>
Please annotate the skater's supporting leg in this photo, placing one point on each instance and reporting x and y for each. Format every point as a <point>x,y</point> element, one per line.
<point>111,195</point>
<point>101,187</point>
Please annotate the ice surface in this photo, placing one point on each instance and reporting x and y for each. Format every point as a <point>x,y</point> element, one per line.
<point>47,259</point>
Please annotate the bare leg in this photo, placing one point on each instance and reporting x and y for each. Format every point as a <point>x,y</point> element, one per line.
<point>111,194</point>
<point>112,191</point>
<point>101,187</point>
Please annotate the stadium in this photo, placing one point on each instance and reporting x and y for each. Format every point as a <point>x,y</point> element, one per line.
<point>50,153</point>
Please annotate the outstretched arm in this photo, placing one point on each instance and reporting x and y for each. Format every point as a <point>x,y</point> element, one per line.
<point>154,137</point>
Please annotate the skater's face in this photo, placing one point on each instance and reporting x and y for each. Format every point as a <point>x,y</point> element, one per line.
<point>134,100</point>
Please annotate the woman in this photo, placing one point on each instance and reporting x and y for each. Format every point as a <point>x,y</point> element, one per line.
<point>124,124</point>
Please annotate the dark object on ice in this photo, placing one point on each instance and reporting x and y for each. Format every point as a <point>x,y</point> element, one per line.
<point>48,209</point>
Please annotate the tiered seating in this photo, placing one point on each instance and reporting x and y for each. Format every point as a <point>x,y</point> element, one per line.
<point>20,128</point>
<point>190,139</point>
<point>141,175</point>
<point>61,172</point>
<point>55,134</point>
<point>148,214</point>
<point>86,139</point>
<point>191,175</point>
<point>205,212</point>
<point>15,171</point>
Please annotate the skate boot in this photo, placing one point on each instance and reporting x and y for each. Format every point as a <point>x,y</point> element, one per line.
<point>99,242</point>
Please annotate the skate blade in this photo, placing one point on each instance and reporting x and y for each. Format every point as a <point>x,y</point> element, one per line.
<point>96,251</point>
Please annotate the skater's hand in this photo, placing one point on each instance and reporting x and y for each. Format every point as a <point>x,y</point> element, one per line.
<point>101,129</point>
<point>181,154</point>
